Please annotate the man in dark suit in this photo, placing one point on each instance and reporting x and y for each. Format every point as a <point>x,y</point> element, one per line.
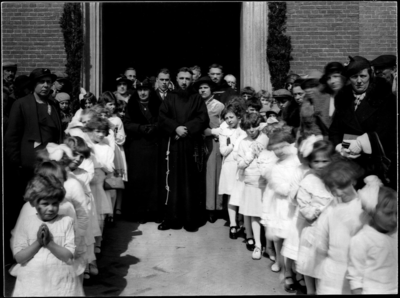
<point>163,79</point>
<point>223,91</point>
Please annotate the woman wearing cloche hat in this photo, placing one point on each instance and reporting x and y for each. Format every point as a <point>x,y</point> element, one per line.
<point>365,121</point>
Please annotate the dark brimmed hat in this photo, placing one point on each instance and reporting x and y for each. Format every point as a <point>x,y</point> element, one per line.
<point>123,78</point>
<point>9,65</point>
<point>330,68</point>
<point>282,93</point>
<point>384,61</point>
<point>204,80</point>
<point>21,82</point>
<point>146,84</point>
<point>271,112</point>
<point>356,64</point>
<point>38,73</point>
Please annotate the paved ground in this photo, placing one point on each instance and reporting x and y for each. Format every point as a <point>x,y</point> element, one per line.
<point>139,260</point>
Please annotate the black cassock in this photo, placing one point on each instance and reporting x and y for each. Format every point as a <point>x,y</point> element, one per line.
<point>181,108</point>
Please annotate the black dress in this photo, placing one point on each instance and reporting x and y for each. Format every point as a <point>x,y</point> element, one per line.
<point>141,198</point>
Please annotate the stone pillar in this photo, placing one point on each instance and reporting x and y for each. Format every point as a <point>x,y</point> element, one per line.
<point>254,70</point>
<point>92,66</point>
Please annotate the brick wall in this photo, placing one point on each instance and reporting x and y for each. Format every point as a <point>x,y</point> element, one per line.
<point>326,31</point>
<point>32,36</point>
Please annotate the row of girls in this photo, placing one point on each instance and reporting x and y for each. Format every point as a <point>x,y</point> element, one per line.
<point>60,226</point>
<point>321,234</point>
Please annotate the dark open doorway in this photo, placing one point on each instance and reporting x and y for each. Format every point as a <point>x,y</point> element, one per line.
<point>150,36</point>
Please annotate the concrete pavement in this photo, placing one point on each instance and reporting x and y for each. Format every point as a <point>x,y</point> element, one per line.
<point>139,260</point>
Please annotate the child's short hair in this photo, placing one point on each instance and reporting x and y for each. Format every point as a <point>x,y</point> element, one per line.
<point>270,128</point>
<point>341,173</point>
<point>263,93</point>
<point>321,146</point>
<point>237,98</point>
<point>121,106</point>
<point>251,120</point>
<point>106,97</point>
<point>387,197</point>
<point>78,146</point>
<point>248,90</point>
<point>99,109</point>
<point>51,167</point>
<point>43,156</point>
<point>97,123</point>
<point>92,112</point>
<point>88,97</point>
<point>280,134</point>
<point>254,103</point>
<point>44,187</point>
<point>234,107</point>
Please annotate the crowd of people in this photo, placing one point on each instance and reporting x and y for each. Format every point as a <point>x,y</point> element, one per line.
<point>308,173</point>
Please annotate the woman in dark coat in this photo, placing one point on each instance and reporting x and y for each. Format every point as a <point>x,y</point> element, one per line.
<point>140,125</point>
<point>365,117</point>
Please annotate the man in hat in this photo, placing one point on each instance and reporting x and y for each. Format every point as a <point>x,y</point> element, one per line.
<point>385,67</point>
<point>223,91</point>
<point>9,71</point>
<point>365,121</point>
<point>163,79</point>
<point>61,84</point>
<point>183,118</point>
<point>34,122</point>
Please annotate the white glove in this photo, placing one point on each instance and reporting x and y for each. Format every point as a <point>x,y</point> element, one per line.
<point>345,152</point>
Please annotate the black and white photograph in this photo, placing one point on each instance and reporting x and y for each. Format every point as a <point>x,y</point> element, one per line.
<point>167,148</point>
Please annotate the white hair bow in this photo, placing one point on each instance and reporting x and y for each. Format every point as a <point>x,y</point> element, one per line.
<point>369,193</point>
<point>56,152</point>
<point>82,93</point>
<point>306,146</point>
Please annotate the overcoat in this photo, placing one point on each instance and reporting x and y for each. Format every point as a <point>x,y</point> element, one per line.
<point>24,131</point>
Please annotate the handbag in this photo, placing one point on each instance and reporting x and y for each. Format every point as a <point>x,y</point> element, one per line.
<point>379,162</point>
<point>113,182</point>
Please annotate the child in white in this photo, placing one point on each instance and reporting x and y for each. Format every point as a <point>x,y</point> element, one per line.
<point>283,181</point>
<point>373,256</point>
<point>103,158</point>
<point>338,226</point>
<point>110,103</point>
<point>312,199</point>
<point>44,244</point>
<point>229,139</point>
<point>254,184</point>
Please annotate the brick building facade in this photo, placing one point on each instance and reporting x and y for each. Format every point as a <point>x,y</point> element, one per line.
<point>321,31</point>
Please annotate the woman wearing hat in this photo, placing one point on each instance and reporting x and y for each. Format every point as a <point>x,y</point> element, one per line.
<point>123,85</point>
<point>140,123</point>
<point>365,119</point>
<point>214,202</point>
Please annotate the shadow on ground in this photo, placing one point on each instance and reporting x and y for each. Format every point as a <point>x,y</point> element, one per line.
<point>113,267</point>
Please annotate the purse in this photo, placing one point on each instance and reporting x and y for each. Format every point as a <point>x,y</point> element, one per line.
<point>113,182</point>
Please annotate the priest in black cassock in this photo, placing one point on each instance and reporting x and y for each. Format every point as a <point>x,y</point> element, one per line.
<point>183,117</point>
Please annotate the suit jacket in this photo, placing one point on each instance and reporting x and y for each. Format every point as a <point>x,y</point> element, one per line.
<point>376,113</point>
<point>24,130</point>
<point>159,95</point>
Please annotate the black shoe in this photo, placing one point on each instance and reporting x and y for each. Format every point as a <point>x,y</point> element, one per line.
<point>250,246</point>
<point>190,228</point>
<point>289,287</point>
<point>212,217</point>
<point>233,231</point>
<point>164,226</point>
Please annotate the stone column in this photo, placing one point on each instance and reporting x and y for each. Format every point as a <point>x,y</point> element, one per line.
<point>92,66</point>
<point>254,70</point>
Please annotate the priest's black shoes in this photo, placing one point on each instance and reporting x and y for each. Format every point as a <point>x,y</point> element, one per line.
<point>212,217</point>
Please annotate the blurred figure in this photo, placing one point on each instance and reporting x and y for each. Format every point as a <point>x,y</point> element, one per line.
<point>290,109</point>
<point>385,67</point>
<point>196,70</point>
<point>223,92</point>
<point>334,81</point>
<point>297,92</point>
<point>231,80</point>
<point>247,92</point>
<point>130,74</point>
<point>123,85</point>
<point>61,84</point>
<point>290,80</point>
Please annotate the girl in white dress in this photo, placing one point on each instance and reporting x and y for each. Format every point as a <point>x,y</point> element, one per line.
<point>88,101</point>
<point>312,199</point>
<point>44,244</point>
<point>82,168</point>
<point>110,103</point>
<point>97,129</point>
<point>279,208</point>
<point>373,256</point>
<point>337,226</point>
<point>254,184</point>
<point>229,139</point>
